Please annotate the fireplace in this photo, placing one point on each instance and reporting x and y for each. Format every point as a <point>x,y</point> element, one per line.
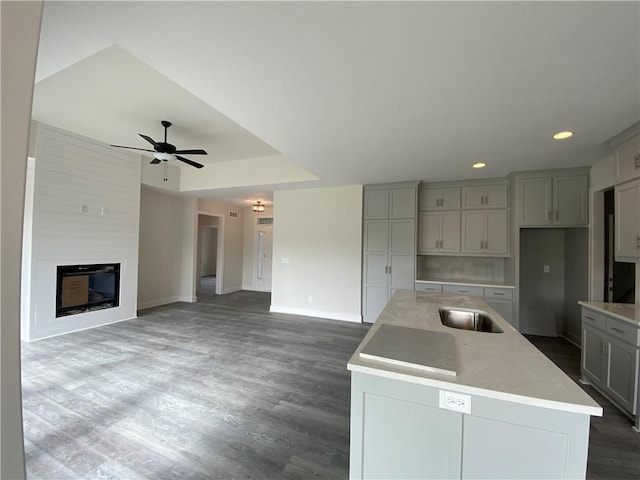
<point>85,288</point>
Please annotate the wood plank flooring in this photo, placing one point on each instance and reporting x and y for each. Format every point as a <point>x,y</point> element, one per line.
<point>216,389</point>
<point>223,389</point>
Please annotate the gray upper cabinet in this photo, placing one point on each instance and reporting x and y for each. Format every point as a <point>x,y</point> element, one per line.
<point>484,196</point>
<point>628,161</point>
<point>389,244</point>
<point>627,224</point>
<point>560,201</point>
<point>390,203</point>
<point>440,198</point>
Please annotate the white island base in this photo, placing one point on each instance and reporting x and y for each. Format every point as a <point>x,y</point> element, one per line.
<point>505,411</point>
<point>398,431</point>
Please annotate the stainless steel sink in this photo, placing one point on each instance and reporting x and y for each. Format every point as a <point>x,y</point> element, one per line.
<point>469,320</point>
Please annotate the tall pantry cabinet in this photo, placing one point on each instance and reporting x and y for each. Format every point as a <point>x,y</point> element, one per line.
<point>389,244</point>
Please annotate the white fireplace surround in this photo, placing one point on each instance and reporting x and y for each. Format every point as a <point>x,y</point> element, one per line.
<point>82,207</point>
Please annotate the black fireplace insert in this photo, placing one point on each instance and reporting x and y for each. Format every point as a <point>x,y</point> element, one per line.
<point>84,288</point>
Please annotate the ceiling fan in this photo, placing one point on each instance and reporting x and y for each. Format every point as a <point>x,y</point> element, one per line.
<point>163,151</point>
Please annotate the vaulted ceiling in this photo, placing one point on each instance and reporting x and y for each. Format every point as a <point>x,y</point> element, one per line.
<point>345,92</point>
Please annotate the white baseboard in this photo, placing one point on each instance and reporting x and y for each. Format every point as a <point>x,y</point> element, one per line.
<point>159,301</point>
<point>188,299</point>
<point>231,290</point>
<point>345,317</point>
<point>571,339</point>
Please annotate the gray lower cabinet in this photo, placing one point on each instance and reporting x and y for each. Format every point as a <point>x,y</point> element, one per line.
<point>503,307</point>
<point>610,359</point>
<point>398,431</point>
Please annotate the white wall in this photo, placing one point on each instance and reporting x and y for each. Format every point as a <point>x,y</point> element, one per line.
<point>20,26</point>
<point>233,231</point>
<point>160,249</point>
<point>209,250</point>
<point>319,233</point>
<point>72,172</point>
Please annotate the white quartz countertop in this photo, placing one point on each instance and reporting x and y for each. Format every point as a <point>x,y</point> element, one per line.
<point>629,312</point>
<point>504,366</point>
<point>471,283</point>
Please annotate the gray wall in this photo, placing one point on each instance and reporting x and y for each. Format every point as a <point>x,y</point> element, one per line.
<point>576,280</point>
<point>20,27</point>
<point>549,301</point>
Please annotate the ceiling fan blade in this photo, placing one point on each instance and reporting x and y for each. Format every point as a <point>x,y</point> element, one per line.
<point>149,139</point>
<point>154,161</point>
<point>191,152</point>
<point>132,148</point>
<point>190,162</point>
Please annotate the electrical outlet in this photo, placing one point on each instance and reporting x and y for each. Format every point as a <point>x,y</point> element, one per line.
<point>546,269</point>
<point>84,208</point>
<point>458,402</point>
<point>310,299</point>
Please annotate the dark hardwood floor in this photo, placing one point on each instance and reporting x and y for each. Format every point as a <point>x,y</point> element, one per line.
<point>222,389</point>
<point>216,389</point>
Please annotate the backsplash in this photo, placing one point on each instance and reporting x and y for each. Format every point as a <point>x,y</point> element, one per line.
<point>432,267</point>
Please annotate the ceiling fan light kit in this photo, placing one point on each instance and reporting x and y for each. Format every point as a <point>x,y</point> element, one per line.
<point>164,151</point>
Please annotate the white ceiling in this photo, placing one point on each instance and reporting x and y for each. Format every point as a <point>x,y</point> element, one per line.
<point>354,92</point>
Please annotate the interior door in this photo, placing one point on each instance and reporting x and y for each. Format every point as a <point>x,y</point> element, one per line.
<point>264,257</point>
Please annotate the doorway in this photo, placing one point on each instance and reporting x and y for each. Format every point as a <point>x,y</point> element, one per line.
<point>619,277</point>
<point>209,256</point>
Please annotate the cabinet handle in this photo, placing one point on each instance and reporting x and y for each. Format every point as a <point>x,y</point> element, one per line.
<point>617,330</point>
<point>637,160</point>
<point>589,318</point>
<point>638,241</point>
<point>498,293</point>
<point>557,214</point>
<point>386,269</point>
<point>389,269</point>
<point>463,291</point>
<point>486,200</point>
<point>549,216</point>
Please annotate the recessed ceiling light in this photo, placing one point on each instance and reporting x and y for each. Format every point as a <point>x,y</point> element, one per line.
<point>479,165</point>
<point>563,135</point>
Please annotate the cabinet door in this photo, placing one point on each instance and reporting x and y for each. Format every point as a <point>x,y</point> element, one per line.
<point>376,204</point>
<point>497,233</point>
<point>622,373</point>
<point>570,200</point>
<point>429,238</point>
<point>628,161</point>
<point>402,259</point>
<point>375,268</point>
<point>402,203</point>
<point>535,201</point>
<point>503,307</point>
<point>440,198</point>
<point>593,354</point>
<point>484,196</point>
<point>473,197</point>
<point>450,232</point>
<point>473,231</point>
<point>627,222</point>
<point>496,196</point>
<point>515,448</point>
<point>407,440</point>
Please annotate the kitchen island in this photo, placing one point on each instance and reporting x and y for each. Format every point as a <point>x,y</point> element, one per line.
<point>506,411</point>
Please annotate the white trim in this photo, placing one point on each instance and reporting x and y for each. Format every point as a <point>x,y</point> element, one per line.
<point>230,290</point>
<point>78,329</point>
<point>188,299</point>
<point>159,301</point>
<point>345,317</point>
<point>571,340</point>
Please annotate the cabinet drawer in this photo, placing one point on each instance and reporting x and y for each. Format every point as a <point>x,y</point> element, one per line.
<point>463,290</point>
<point>428,287</point>
<point>594,319</point>
<point>506,293</point>
<point>623,331</point>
